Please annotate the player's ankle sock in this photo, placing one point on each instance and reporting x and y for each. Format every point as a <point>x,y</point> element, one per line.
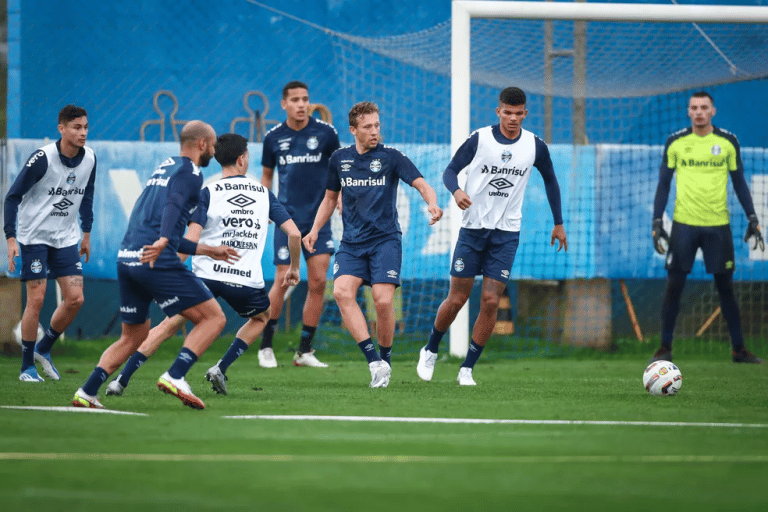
<point>386,354</point>
<point>433,345</point>
<point>666,340</point>
<point>369,350</point>
<point>45,344</point>
<point>235,350</point>
<point>134,363</point>
<point>27,354</point>
<point>266,336</point>
<point>182,364</point>
<point>94,382</point>
<point>307,333</point>
<point>473,354</point>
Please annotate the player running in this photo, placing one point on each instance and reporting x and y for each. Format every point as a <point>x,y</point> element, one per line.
<point>492,204</point>
<point>233,211</point>
<point>149,268</point>
<point>370,252</point>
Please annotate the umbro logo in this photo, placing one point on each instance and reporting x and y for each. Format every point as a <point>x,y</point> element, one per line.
<point>500,183</point>
<point>63,204</point>
<point>241,200</point>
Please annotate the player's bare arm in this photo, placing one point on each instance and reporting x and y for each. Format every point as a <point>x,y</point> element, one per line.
<point>267,174</point>
<point>85,246</point>
<point>462,199</point>
<point>323,215</point>
<point>13,252</point>
<point>558,233</point>
<point>220,252</point>
<point>150,253</point>
<point>193,235</point>
<point>429,196</point>
<point>294,248</point>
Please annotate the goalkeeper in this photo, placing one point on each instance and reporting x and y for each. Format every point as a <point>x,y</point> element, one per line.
<point>703,157</point>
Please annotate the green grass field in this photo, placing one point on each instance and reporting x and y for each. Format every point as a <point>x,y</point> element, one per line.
<point>179,459</point>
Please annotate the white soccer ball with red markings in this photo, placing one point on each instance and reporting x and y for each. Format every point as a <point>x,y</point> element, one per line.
<point>662,378</point>
<point>17,333</point>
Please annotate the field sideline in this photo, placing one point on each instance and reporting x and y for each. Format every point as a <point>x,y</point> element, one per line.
<point>575,433</point>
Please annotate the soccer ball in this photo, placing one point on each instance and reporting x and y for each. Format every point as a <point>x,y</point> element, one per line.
<point>662,378</point>
<point>17,333</point>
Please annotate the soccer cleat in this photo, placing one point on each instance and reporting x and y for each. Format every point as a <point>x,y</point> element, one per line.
<point>465,377</point>
<point>380,373</point>
<point>426,366</point>
<point>308,359</point>
<point>267,358</point>
<point>47,365</point>
<point>180,389</point>
<point>30,375</point>
<point>218,380</point>
<point>115,388</point>
<point>662,354</point>
<point>745,356</point>
<point>83,400</point>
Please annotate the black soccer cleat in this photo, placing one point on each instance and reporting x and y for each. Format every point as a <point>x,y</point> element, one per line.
<point>662,354</point>
<point>745,356</point>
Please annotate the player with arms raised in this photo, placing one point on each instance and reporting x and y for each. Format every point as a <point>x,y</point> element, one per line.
<point>703,156</point>
<point>299,148</point>
<point>498,160</point>
<point>371,246</point>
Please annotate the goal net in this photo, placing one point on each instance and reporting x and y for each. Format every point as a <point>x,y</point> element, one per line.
<point>606,85</point>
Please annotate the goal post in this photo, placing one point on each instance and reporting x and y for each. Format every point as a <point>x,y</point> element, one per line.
<point>463,11</point>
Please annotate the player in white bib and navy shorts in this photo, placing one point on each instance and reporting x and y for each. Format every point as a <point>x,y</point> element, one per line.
<point>498,160</point>
<point>299,148</point>
<point>234,211</point>
<point>149,268</point>
<point>370,252</point>
<point>54,186</point>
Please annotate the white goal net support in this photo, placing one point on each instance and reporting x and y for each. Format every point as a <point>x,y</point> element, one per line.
<point>606,85</point>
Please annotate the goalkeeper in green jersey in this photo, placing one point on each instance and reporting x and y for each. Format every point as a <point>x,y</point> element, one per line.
<point>703,157</point>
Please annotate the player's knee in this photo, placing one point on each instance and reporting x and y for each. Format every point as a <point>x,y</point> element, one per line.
<point>316,286</point>
<point>75,301</point>
<point>35,302</point>
<point>342,294</point>
<point>489,301</point>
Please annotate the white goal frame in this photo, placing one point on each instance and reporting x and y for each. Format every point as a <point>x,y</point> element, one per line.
<point>462,11</point>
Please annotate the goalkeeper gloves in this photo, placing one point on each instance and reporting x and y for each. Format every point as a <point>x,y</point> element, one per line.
<point>753,230</point>
<point>659,234</point>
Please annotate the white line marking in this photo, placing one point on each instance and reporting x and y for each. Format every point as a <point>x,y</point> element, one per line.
<point>238,457</point>
<point>495,421</point>
<point>72,409</point>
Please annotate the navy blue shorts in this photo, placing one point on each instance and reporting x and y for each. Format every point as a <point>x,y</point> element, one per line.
<point>174,290</point>
<point>323,245</point>
<point>716,243</point>
<point>374,262</point>
<point>246,301</point>
<point>41,261</point>
<point>490,252</point>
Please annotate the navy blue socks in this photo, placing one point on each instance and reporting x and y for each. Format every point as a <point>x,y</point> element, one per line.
<point>133,364</point>
<point>45,344</point>
<point>435,337</point>
<point>94,382</point>
<point>386,354</point>
<point>369,350</point>
<point>307,333</point>
<point>473,354</point>
<point>235,350</point>
<point>266,336</point>
<point>182,364</point>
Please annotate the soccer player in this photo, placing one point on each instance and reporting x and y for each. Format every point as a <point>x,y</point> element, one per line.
<point>55,185</point>
<point>234,211</point>
<point>148,267</point>
<point>370,252</point>
<point>299,148</point>
<point>498,160</point>
<point>703,156</point>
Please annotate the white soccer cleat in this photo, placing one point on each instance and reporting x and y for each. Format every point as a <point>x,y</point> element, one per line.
<point>30,375</point>
<point>180,389</point>
<point>45,362</point>
<point>308,359</point>
<point>114,388</point>
<point>218,380</point>
<point>380,374</point>
<point>82,399</point>
<point>465,377</point>
<point>267,358</point>
<point>426,366</point>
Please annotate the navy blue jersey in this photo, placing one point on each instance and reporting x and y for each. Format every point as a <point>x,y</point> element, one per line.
<point>301,158</point>
<point>370,180</point>
<point>163,209</point>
